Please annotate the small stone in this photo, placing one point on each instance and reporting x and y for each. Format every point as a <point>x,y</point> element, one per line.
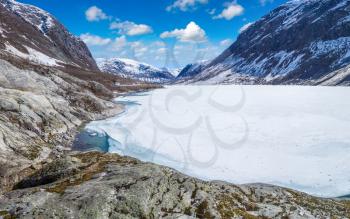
<point>35,166</point>
<point>75,160</point>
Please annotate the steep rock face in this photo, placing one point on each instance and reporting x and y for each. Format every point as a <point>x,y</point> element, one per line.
<point>132,69</point>
<point>300,42</point>
<point>191,70</point>
<point>41,109</point>
<point>95,185</point>
<point>32,33</point>
<point>49,86</point>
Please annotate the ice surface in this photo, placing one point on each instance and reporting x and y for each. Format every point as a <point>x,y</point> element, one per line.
<point>292,136</point>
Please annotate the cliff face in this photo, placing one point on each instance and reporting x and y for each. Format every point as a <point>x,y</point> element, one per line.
<point>300,42</point>
<point>40,109</point>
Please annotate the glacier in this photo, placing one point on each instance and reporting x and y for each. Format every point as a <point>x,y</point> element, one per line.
<point>292,136</point>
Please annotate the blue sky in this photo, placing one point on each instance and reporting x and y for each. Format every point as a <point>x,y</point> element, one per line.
<point>165,33</point>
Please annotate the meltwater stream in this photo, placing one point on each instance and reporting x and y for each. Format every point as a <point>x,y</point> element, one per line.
<point>291,136</point>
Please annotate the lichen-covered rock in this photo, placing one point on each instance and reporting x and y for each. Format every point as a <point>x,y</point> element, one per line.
<point>8,104</point>
<point>95,185</point>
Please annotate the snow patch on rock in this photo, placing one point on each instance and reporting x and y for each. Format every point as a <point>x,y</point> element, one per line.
<point>33,55</point>
<point>33,15</point>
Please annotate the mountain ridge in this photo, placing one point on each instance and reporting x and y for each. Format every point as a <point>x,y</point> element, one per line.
<point>40,37</point>
<point>132,69</point>
<point>299,42</point>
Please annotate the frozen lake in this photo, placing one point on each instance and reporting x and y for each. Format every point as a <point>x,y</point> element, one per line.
<point>292,136</point>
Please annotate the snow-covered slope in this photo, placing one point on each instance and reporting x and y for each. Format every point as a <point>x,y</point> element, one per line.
<point>31,14</point>
<point>132,69</point>
<point>300,42</point>
<point>31,33</point>
<point>174,71</point>
<point>192,69</point>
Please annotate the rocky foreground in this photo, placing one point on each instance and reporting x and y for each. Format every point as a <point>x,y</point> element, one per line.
<point>96,185</point>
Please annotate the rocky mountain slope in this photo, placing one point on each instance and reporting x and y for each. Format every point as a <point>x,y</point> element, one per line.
<point>132,69</point>
<point>300,42</point>
<point>31,33</point>
<point>48,89</point>
<point>191,70</point>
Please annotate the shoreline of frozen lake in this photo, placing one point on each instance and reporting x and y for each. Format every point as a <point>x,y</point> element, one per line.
<point>291,136</point>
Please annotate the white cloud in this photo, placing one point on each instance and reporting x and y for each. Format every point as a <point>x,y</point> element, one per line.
<point>263,2</point>
<point>158,44</point>
<point>192,33</point>
<point>232,10</point>
<point>245,27</point>
<point>226,42</point>
<point>95,14</point>
<point>124,47</point>
<point>212,11</point>
<point>185,5</point>
<point>94,40</point>
<point>138,48</point>
<point>130,28</point>
<point>161,51</point>
<point>119,43</point>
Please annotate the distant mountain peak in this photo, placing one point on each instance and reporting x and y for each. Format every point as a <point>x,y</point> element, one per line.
<point>31,14</point>
<point>133,69</point>
<point>30,33</point>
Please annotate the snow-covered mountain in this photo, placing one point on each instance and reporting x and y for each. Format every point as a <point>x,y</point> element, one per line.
<point>174,71</point>
<point>192,69</point>
<point>300,42</point>
<point>30,33</point>
<point>132,69</point>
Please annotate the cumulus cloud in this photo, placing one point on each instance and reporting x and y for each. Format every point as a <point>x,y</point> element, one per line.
<point>94,40</point>
<point>226,42</point>
<point>130,28</point>
<point>95,14</point>
<point>192,33</point>
<point>264,2</point>
<point>123,47</point>
<point>211,11</point>
<point>138,48</point>
<point>161,51</point>
<point>231,10</point>
<point>158,44</point>
<point>185,5</point>
<point>119,43</point>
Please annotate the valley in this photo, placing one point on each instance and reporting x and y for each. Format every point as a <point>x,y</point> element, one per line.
<point>259,130</point>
